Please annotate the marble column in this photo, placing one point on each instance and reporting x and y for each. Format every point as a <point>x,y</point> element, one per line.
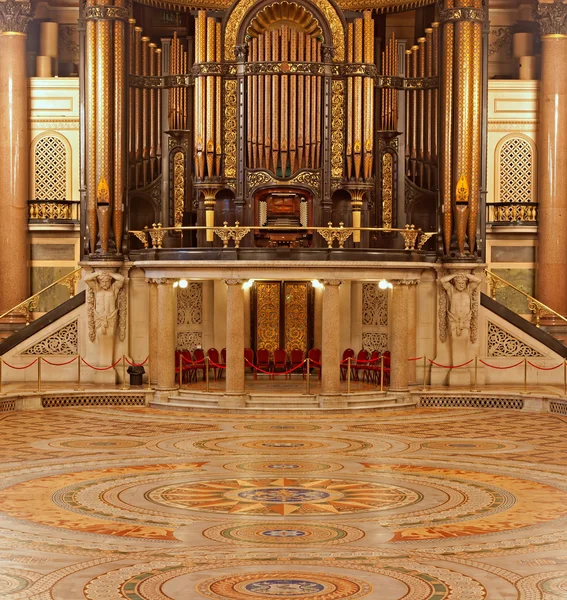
<point>14,154</point>
<point>552,166</point>
<point>153,329</point>
<point>399,369</point>
<point>234,343</point>
<point>330,336</point>
<point>166,311</point>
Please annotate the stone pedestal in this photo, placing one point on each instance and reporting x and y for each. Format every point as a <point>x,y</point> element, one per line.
<point>165,376</point>
<point>399,369</point>
<point>331,354</point>
<point>234,394</point>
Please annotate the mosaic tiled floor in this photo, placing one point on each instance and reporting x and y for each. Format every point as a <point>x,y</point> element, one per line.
<point>138,504</point>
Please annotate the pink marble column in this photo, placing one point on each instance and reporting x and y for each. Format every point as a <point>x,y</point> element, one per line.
<point>399,369</point>
<point>166,335</point>
<point>14,155</point>
<point>234,338</point>
<point>331,339</point>
<point>552,166</point>
<point>153,329</point>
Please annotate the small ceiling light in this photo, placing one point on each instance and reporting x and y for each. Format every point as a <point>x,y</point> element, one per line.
<point>248,284</point>
<point>183,283</point>
<point>384,285</point>
<point>317,284</point>
<point>175,284</point>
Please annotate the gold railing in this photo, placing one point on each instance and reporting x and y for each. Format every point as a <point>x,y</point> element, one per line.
<point>53,210</point>
<point>539,309</point>
<point>29,305</point>
<point>414,239</point>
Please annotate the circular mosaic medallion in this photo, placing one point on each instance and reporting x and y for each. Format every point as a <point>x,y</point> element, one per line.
<point>97,444</point>
<point>284,585</point>
<point>277,466</point>
<point>466,446</point>
<point>289,445</point>
<point>13,581</point>
<point>284,496</point>
<point>288,535</point>
<point>283,427</point>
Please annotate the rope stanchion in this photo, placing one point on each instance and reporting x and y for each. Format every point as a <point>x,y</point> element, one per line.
<point>207,373</point>
<point>149,374</point>
<point>280,372</point>
<point>180,370</point>
<point>381,372</point>
<point>451,366</point>
<point>474,388</point>
<point>39,374</point>
<point>1,363</point>
<point>100,368</point>
<point>78,373</point>
<point>544,368</point>
<point>124,386</point>
<point>525,375</point>
<point>308,377</point>
<point>212,362</point>
<point>415,358</point>
<point>21,368</point>
<point>500,368</point>
<point>59,364</point>
<point>348,374</point>
<point>424,388</point>
<point>137,364</point>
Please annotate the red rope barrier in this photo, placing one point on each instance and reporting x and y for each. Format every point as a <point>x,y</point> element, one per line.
<point>20,368</point>
<point>273,372</point>
<point>416,358</point>
<point>193,362</point>
<point>101,368</point>
<point>211,362</point>
<point>544,368</point>
<point>60,364</point>
<point>501,368</point>
<point>134,364</point>
<point>450,366</point>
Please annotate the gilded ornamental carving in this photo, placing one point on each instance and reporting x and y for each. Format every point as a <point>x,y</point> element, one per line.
<point>552,17</point>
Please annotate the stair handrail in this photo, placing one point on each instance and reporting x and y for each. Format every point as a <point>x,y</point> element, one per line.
<point>27,306</point>
<point>539,309</point>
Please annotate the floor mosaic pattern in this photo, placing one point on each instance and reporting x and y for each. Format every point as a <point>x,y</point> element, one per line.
<point>426,504</point>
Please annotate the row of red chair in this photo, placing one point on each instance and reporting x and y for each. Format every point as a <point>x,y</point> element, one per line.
<point>278,361</point>
<point>369,363</point>
<point>193,362</point>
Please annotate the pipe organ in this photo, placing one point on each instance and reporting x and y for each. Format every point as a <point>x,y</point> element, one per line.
<point>289,97</point>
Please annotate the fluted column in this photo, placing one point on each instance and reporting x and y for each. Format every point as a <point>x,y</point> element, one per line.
<point>235,340</point>
<point>331,352</point>
<point>165,335</point>
<point>153,329</point>
<point>552,167</point>
<point>14,154</point>
<point>399,348</point>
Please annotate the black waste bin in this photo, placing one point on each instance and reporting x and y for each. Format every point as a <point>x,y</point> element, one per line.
<point>136,374</point>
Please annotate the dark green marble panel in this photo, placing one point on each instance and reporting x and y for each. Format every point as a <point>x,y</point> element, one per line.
<point>524,279</point>
<point>524,254</point>
<point>41,277</point>
<point>52,252</point>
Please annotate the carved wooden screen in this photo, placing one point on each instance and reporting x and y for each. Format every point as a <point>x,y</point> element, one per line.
<point>282,315</point>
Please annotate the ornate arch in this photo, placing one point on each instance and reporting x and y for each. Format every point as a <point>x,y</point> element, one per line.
<point>240,15</point>
<point>516,153</point>
<point>50,159</point>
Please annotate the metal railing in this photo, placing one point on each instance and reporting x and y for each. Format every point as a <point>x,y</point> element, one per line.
<point>512,213</point>
<point>29,305</point>
<point>414,239</point>
<point>54,210</point>
<point>539,309</point>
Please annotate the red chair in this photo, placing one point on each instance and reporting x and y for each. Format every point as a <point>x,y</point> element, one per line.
<point>314,356</point>
<point>295,358</point>
<point>249,360</point>
<point>263,358</point>
<point>213,355</point>
<point>373,368</point>
<point>361,363</point>
<point>348,353</point>
<point>280,361</point>
<point>199,361</point>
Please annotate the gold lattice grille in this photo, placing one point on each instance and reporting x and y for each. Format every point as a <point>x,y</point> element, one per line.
<point>50,158</point>
<point>516,171</point>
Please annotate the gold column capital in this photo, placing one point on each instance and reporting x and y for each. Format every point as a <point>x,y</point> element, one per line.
<point>552,18</point>
<point>15,17</point>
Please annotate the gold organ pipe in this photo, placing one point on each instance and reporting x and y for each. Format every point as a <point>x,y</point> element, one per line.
<point>171,95</point>
<point>158,110</point>
<point>138,104</point>
<point>368,95</point>
<point>428,105</point>
<point>293,104</point>
<point>152,61</point>
<point>200,34</point>
<point>446,123</point>
<point>91,130</point>
<point>314,106</point>
<point>421,110</point>
<point>249,104</point>
<point>415,114</point>
<point>300,101</point>
<point>476,48</point>
<point>276,97</point>
<point>319,109</point>
<point>260,106</point>
<point>145,112</point>
<point>131,105</point>
<point>357,149</point>
<point>435,96</point>
<point>103,109</point>
<point>307,106</point>
<point>285,107</point>
<point>253,108</point>
<point>350,96</point>
<point>120,143</point>
<point>408,114</point>
<point>218,101</point>
<point>210,103</point>
<point>268,104</point>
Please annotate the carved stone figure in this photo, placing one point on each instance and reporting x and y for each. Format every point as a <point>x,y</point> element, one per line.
<point>458,305</point>
<point>106,304</point>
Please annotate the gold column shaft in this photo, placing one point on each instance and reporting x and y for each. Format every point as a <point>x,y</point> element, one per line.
<point>277,98</point>
<point>267,104</point>
<point>300,100</point>
<point>119,127</point>
<point>103,104</point>
<point>476,98</point>
<point>446,123</point>
<point>285,108</point>
<point>350,98</point>
<point>218,102</point>
<point>293,104</point>
<point>91,130</point>
<point>260,106</point>
<point>307,108</point>
<point>357,142</point>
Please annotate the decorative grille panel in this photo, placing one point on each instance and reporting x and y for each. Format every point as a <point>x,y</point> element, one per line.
<point>375,341</point>
<point>502,343</point>
<point>50,158</point>
<point>189,340</point>
<point>516,171</point>
<point>64,341</point>
<point>374,305</point>
<point>471,402</point>
<point>190,304</point>
<point>296,302</point>
<point>268,316</point>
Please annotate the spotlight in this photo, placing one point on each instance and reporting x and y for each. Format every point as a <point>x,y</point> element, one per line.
<point>384,285</point>
<point>248,284</point>
<point>317,284</point>
<point>183,283</point>
<point>175,284</point>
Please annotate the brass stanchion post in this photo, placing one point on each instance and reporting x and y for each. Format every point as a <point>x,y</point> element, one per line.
<point>181,370</point>
<point>39,374</point>
<point>149,375</point>
<point>78,372</point>
<point>474,389</point>
<point>207,373</point>
<point>525,375</point>
<point>124,372</point>
<point>348,374</point>
<point>308,377</point>
<point>1,363</point>
<point>382,373</point>
<point>424,388</point>
<point>564,377</point>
